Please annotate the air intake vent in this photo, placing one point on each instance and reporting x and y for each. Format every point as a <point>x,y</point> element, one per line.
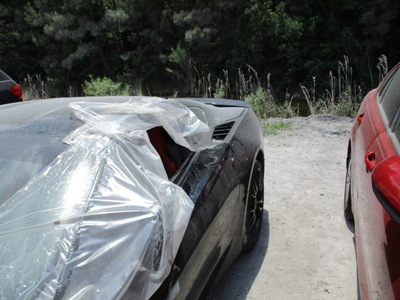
<point>221,131</point>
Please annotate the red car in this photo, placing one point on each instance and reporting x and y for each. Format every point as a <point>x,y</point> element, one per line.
<point>372,190</point>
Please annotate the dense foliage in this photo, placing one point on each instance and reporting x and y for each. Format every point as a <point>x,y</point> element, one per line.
<point>197,46</point>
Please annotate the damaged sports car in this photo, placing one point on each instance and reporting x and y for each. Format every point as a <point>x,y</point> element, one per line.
<point>126,197</point>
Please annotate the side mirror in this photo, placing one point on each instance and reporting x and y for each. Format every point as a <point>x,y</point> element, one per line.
<point>386,185</point>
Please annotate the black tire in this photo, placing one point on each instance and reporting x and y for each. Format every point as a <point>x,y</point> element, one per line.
<point>254,208</point>
<point>348,212</point>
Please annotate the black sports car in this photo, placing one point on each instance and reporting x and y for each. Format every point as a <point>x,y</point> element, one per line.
<point>126,197</point>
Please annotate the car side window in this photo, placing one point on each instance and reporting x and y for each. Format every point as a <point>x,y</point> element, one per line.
<point>390,96</point>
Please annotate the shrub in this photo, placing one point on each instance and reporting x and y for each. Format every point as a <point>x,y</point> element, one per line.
<point>264,105</point>
<point>105,87</point>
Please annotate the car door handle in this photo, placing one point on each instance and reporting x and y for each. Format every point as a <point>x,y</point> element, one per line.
<point>370,160</point>
<point>360,118</point>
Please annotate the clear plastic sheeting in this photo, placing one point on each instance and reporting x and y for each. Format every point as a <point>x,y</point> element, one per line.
<point>124,119</point>
<point>103,215</point>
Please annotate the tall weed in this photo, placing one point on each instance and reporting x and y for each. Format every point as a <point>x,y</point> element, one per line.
<point>343,97</point>
<point>382,67</point>
<point>248,88</point>
<point>34,88</point>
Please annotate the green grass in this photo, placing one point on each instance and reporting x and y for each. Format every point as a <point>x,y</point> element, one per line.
<point>272,128</point>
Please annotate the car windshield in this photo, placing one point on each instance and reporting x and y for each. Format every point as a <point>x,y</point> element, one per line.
<point>26,149</point>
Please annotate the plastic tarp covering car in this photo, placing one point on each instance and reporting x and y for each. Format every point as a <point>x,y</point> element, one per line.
<point>103,214</point>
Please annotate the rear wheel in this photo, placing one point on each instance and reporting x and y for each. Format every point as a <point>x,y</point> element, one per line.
<point>254,209</point>
<point>348,213</point>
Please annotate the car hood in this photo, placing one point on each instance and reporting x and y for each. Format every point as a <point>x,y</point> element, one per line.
<point>103,215</point>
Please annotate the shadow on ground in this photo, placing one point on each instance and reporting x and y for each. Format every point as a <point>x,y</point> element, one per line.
<point>350,225</point>
<point>240,277</point>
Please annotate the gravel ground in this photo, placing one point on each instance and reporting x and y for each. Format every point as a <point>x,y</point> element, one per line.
<point>306,250</point>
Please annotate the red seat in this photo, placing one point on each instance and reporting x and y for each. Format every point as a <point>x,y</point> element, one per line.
<point>157,139</point>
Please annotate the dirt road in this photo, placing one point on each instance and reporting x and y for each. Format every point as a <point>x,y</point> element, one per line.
<point>306,250</point>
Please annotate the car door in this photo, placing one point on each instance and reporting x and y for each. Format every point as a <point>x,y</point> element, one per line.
<point>377,236</point>
<point>389,102</point>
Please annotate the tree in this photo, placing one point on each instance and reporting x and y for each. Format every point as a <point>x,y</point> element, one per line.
<point>380,31</point>
<point>168,45</point>
<point>272,37</point>
<point>79,38</point>
<point>18,55</point>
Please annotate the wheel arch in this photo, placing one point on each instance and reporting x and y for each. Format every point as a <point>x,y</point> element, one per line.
<point>259,157</point>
